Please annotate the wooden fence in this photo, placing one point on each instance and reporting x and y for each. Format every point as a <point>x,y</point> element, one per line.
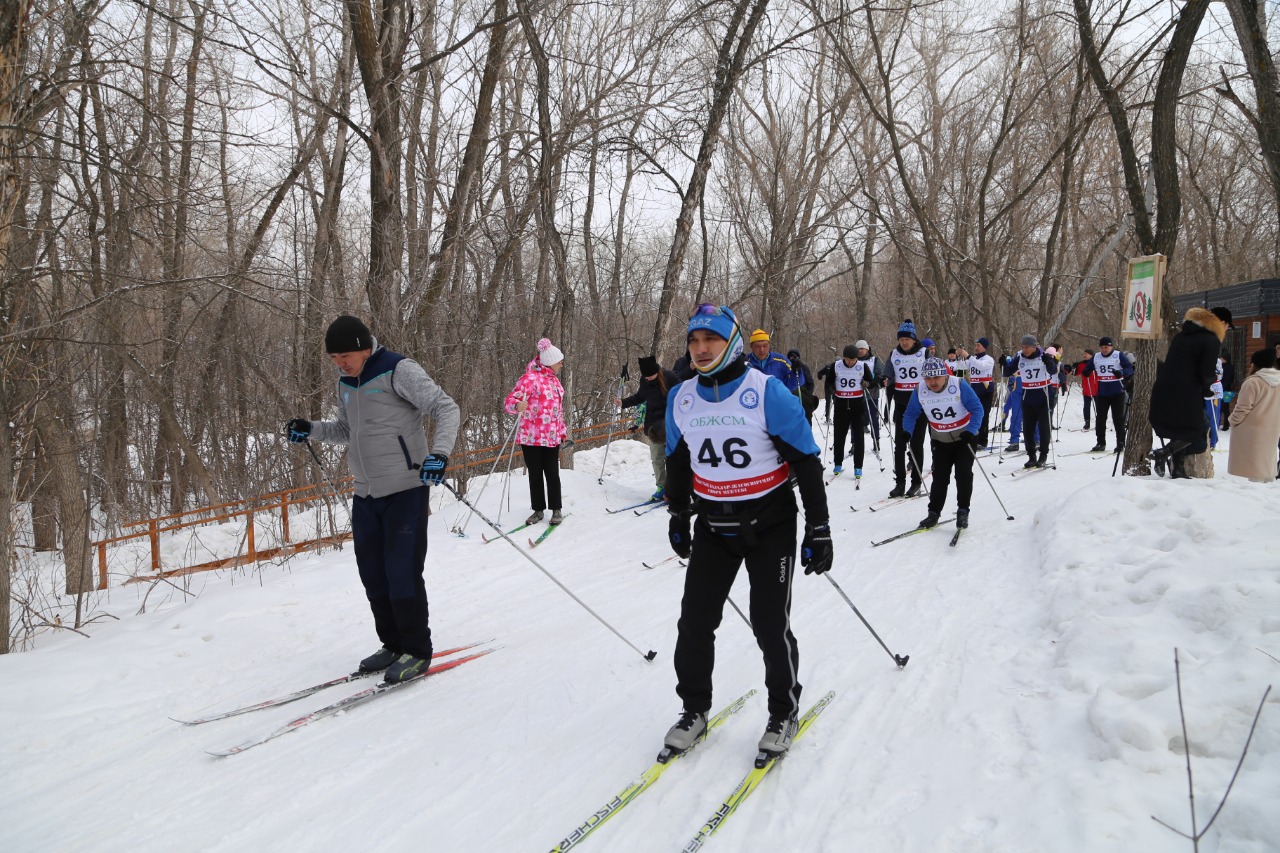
<point>280,504</point>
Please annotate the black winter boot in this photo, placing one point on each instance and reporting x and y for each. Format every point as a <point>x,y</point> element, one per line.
<point>1178,466</point>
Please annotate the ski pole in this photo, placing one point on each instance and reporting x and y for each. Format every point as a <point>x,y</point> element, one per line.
<point>875,434</point>
<point>1119,444</point>
<point>622,377</point>
<point>461,529</point>
<point>649,657</point>
<point>740,613</point>
<point>978,462</point>
<point>900,660</point>
<point>333,526</point>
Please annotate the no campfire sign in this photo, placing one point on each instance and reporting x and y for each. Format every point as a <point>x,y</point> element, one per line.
<point>1142,297</point>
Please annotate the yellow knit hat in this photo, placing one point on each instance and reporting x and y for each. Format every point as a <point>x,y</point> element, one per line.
<point>759,335</point>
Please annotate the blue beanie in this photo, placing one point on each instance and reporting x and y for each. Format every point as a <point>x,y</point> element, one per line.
<point>986,344</point>
<point>719,320</point>
<point>928,342</point>
<point>907,330</point>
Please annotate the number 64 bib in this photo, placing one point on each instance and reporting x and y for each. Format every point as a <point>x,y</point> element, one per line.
<point>732,456</point>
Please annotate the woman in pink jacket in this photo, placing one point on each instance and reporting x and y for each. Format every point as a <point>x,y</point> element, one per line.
<point>539,398</point>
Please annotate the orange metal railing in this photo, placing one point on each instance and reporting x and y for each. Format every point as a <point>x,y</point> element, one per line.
<point>281,503</point>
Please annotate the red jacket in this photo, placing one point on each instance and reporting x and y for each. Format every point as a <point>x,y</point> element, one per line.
<point>1088,384</point>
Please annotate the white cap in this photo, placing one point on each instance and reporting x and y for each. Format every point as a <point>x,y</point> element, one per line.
<point>862,345</point>
<point>549,353</point>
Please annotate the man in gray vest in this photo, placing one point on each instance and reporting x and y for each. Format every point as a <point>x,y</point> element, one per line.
<point>382,398</point>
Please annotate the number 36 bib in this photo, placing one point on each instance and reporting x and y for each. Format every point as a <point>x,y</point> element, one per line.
<point>732,456</point>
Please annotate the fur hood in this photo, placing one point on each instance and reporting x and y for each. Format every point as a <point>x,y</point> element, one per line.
<point>1207,319</point>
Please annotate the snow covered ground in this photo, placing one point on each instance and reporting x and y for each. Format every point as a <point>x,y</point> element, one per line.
<point>1038,712</point>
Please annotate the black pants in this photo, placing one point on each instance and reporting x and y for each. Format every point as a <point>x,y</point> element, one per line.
<point>900,441</point>
<point>850,415</point>
<point>713,565</point>
<point>946,456</point>
<point>543,465</point>
<point>1115,404</point>
<point>1087,402</point>
<point>390,537</point>
<point>1035,419</point>
<point>986,392</point>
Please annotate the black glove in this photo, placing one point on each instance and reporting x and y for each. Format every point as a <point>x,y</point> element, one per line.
<point>969,438</point>
<point>298,430</point>
<point>433,469</point>
<point>679,534</point>
<point>816,553</point>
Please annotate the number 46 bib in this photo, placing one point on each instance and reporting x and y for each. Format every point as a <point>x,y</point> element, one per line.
<point>732,455</point>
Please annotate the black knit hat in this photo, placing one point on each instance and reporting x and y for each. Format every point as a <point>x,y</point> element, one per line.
<point>850,351</point>
<point>648,365</point>
<point>347,334</point>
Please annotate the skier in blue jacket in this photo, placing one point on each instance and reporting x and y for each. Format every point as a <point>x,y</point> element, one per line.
<point>771,363</point>
<point>953,412</point>
<point>736,438</point>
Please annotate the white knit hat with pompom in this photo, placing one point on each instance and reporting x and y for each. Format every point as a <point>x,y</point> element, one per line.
<point>549,353</point>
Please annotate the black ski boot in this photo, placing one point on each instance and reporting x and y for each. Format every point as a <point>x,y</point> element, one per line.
<point>379,660</point>
<point>1099,447</point>
<point>405,667</point>
<point>1178,466</point>
<point>915,490</point>
<point>898,491</point>
<point>1031,461</point>
<point>930,520</point>
<point>962,518</point>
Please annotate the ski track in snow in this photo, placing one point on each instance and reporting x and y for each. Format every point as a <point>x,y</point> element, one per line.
<point>1038,710</point>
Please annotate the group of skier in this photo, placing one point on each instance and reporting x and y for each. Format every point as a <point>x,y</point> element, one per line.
<point>732,444</point>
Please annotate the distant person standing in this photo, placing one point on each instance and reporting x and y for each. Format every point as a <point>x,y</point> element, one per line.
<point>655,386</point>
<point>1036,369</point>
<point>905,363</point>
<point>539,399</point>
<point>1110,367</point>
<point>950,408</point>
<point>1088,383</point>
<point>1183,380</point>
<point>980,369</point>
<point>803,377</point>
<point>1256,418</point>
<point>851,407</point>
<point>382,399</point>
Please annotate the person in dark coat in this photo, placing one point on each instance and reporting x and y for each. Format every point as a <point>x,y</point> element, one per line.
<point>1182,384</point>
<point>804,376</point>
<point>655,385</point>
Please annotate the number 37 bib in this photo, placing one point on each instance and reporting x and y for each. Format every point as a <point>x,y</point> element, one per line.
<point>732,456</point>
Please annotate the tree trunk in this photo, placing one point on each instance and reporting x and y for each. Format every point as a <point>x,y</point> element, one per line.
<point>729,64</point>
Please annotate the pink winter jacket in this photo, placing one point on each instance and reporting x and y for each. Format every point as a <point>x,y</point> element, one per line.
<point>542,424</point>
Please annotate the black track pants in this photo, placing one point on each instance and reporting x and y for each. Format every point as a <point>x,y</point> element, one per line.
<point>948,455</point>
<point>543,465</point>
<point>901,440</point>
<point>712,567</point>
<point>1113,403</point>
<point>850,416</point>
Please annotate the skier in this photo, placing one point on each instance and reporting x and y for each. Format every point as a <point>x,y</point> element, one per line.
<point>980,369</point>
<point>770,363</point>
<point>735,439</point>
<point>539,399</point>
<point>803,378</point>
<point>951,408</point>
<point>1088,383</point>
<point>382,398</point>
<point>1036,369</point>
<point>655,384</point>
<point>1111,367</point>
<point>905,363</point>
<point>952,362</point>
<point>851,376</point>
<point>1012,412</point>
<point>875,370</point>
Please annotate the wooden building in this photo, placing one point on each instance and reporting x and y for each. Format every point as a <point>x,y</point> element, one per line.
<point>1255,313</point>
